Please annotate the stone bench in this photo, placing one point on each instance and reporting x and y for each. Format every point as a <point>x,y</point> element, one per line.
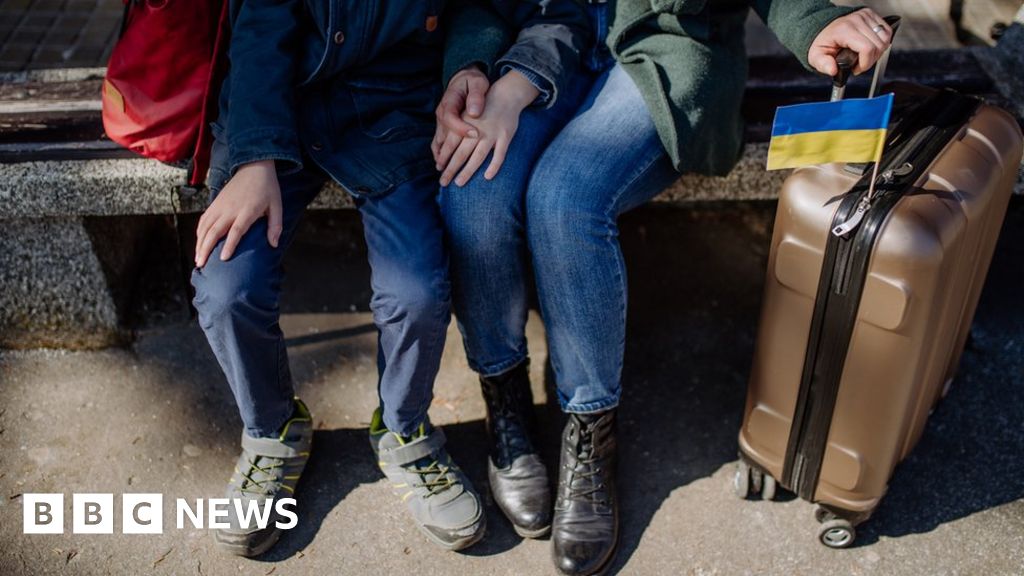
<point>65,260</point>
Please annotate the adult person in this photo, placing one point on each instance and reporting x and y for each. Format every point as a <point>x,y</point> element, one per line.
<point>344,91</point>
<point>662,97</point>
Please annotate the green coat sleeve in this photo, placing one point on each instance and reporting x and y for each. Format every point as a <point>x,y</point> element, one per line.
<point>797,22</point>
<point>476,34</point>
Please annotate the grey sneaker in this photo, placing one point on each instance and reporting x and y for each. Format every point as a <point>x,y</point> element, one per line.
<point>268,469</point>
<point>442,501</point>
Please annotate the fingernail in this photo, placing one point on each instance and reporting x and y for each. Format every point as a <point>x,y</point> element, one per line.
<point>474,110</point>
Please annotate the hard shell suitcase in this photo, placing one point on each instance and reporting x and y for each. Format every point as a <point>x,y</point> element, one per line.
<point>860,334</point>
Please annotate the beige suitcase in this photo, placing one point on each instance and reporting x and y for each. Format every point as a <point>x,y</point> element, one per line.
<point>860,334</point>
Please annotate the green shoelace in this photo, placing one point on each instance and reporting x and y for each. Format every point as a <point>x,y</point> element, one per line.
<point>435,478</point>
<point>269,477</point>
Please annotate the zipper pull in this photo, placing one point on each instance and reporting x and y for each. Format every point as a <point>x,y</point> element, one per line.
<point>854,220</point>
<point>889,176</point>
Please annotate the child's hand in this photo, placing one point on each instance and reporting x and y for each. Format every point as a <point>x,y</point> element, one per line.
<point>863,31</point>
<point>465,94</point>
<point>253,192</point>
<point>496,126</point>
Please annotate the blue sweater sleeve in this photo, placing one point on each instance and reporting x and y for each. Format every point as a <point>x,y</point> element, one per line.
<point>548,50</point>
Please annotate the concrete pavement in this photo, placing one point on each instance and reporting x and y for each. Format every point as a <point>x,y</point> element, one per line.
<point>157,417</point>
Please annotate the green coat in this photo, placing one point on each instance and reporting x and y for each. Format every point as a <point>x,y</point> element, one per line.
<point>687,57</point>
<point>689,61</point>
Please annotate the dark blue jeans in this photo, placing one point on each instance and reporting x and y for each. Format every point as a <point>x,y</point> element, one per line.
<point>570,172</point>
<point>238,303</point>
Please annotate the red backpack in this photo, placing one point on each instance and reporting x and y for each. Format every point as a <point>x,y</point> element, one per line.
<point>160,92</point>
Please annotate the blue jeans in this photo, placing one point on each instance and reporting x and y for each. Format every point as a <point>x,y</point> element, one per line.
<point>238,303</point>
<point>570,172</point>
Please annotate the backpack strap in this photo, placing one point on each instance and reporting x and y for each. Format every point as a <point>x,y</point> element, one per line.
<point>200,163</point>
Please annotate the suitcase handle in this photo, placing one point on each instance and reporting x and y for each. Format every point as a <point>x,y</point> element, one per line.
<point>846,60</point>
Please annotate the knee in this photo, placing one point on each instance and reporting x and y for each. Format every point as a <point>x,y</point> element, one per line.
<point>481,220</point>
<point>232,289</point>
<point>561,215</point>
<point>417,304</point>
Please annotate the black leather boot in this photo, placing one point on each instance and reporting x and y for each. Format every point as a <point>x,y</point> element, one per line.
<point>585,532</point>
<point>519,481</point>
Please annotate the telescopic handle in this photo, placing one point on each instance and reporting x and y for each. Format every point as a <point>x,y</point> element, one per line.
<point>846,61</point>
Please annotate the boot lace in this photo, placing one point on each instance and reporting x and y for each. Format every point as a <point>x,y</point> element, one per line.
<point>510,430</point>
<point>580,483</point>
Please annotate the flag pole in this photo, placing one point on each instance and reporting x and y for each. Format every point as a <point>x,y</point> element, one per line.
<point>874,178</point>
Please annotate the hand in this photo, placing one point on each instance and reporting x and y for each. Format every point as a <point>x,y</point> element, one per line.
<point>497,125</point>
<point>465,94</point>
<point>856,32</point>
<point>253,192</point>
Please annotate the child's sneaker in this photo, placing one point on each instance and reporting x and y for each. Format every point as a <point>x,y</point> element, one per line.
<point>268,469</point>
<point>438,494</point>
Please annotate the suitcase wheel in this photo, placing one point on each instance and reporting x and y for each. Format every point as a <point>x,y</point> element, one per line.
<point>822,514</point>
<point>749,480</point>
<point>741,481</point>
<point>836,533</point>
<point>768,489</point>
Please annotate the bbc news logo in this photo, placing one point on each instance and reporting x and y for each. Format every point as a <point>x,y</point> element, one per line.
<point>144,513</point>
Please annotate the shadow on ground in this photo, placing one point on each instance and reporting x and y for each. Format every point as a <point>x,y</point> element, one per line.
<point>695,282</point>
<point>344,461</point>
<point>695,278</point>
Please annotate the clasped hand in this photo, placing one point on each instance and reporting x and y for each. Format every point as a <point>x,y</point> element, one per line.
<point>475,119</point>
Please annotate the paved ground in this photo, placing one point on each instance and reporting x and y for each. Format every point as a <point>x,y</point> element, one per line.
<point>157,418</point>
<point>38,34</point>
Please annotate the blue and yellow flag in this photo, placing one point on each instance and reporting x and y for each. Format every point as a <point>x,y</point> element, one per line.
<point>841,131</point>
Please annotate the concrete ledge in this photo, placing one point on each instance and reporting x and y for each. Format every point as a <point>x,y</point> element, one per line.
<point>55,293</point>
<point>122,187</point>
<point>67,275</point>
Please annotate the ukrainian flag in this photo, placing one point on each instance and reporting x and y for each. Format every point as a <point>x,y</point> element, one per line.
<point>840,131</point>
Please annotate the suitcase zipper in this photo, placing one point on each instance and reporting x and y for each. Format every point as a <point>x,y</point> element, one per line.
<point>912,147</point>
<point>886,178</point>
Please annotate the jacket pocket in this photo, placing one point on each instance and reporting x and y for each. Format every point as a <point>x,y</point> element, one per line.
<point>393,109</point>
<point>398,125</point>
<point>678,7</point>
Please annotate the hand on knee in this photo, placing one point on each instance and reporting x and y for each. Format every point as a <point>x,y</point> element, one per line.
<point>252,193</point>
